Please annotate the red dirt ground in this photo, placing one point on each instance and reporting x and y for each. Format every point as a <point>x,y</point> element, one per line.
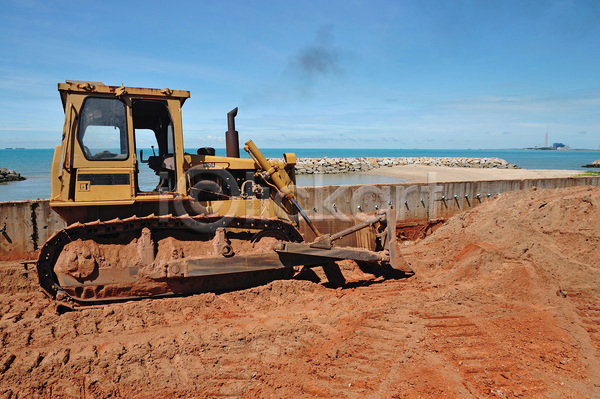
<point>505,303</point>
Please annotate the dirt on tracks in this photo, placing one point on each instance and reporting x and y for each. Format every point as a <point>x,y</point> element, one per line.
<point>505,303</point>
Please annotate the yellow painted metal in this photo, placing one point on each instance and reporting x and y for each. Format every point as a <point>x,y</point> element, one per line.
<point>88,189</point>
<point>269,168</point>
<point>154,196</point>
<point>80,204</point>
<point>221,162</point>
<point>289,158</point>
<point>175,110</point>
<point>54,180</point>
<point>69,87</point>
<point>251,208</point>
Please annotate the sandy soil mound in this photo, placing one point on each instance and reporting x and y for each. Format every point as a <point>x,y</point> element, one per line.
<point>505,303</point>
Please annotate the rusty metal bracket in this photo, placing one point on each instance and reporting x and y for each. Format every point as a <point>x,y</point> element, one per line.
<point>86,86</point>
<point>25,272</point>
<point>326,240</point>
<point>121,91</point>
<point>221,244</point>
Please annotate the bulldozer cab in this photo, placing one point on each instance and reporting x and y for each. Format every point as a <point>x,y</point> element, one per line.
<point>107,129</point>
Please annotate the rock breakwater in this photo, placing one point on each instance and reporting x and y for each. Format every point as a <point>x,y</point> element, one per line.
<point>7,175</point>
<point>595,164</point>
<point>327,165</point>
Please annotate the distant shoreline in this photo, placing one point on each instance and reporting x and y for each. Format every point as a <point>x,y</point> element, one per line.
<point>552,149</point>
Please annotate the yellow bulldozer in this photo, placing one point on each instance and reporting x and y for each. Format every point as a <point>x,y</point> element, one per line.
<point>209,223</point>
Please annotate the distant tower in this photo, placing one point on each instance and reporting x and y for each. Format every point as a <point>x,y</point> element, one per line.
<point>546,142</point>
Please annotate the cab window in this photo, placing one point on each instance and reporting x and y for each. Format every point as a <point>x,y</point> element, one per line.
<point>103,129</point>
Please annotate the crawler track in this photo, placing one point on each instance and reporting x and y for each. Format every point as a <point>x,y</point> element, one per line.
<point>201,228</point>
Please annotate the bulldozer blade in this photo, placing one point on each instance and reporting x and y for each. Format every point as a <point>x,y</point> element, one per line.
<point>307,253</point>
<point>289,255</point>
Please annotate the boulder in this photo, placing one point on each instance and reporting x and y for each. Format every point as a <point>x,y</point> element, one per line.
<point>595,164</point>
<point>7,175</point>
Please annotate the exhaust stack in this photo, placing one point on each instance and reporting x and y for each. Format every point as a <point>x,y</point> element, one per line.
<point>232,141</point>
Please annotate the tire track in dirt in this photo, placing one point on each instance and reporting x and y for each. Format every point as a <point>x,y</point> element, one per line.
<point>358,356</point>
<point>479,358</point>
<point>588,309</point>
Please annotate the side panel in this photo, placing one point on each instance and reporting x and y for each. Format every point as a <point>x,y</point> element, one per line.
<point>104,184</point>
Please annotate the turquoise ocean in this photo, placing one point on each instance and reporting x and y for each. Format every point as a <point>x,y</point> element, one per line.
<point>35,165</point>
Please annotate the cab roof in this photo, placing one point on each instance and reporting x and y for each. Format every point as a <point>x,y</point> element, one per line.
<point>77,86</point>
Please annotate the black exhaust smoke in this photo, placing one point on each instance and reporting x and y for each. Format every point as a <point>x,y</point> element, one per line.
<point>232,142</point>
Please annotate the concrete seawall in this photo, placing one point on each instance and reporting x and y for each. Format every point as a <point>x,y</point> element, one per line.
<point>26,225</point>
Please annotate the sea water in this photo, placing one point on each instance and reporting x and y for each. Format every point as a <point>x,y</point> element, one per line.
<point>35,165</point>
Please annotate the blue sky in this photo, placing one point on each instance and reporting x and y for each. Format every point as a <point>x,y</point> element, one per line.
<point>306,74</point>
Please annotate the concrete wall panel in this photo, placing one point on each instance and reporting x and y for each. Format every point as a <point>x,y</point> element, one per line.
<point>26,225</point>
